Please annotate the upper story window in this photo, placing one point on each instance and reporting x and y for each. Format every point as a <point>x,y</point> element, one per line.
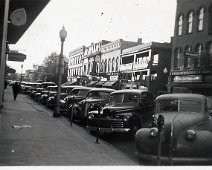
<point>177,53</point>
<point>210,21</point>
<point>200,19</point>
<point>180,25</point>
<point>190,22</point>
<point>117,63</point>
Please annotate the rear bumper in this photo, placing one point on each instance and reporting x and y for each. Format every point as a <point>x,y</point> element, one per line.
<point>108,130</point>
<point>176,160</point>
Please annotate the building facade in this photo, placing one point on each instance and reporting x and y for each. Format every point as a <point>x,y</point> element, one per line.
<point>191,64</point>
<point>110,58</point>
<point>147,66</point>
<point>91,59</point>
<point>75,64</point>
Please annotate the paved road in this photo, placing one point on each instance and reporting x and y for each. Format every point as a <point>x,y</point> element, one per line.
<point>47,140</point>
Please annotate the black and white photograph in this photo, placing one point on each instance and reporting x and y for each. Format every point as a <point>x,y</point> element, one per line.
<point>105,83</point>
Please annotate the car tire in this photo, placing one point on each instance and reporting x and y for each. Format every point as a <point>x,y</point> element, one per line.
<point>134,128</point>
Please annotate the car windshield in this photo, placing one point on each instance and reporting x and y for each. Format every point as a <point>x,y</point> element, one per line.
<point>127,99</point>
<point>98,94</point>
<point>176,105</point>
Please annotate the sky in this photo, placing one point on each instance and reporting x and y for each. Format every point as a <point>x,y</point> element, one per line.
<point>88,21</point>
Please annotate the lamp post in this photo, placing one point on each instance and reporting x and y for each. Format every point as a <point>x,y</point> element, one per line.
<point>63,35</point>
<point>21,71</point>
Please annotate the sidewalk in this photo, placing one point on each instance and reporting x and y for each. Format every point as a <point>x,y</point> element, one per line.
<point>48,141</point>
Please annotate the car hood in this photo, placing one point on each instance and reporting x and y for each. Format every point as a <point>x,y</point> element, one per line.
<point>183,119</point>
<point>119,110</point>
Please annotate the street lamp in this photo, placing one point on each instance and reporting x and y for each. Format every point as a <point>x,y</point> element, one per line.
<point>63,35</point>
<point>21,72</point>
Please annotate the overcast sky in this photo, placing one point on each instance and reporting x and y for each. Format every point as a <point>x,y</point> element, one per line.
<point>88,21</point>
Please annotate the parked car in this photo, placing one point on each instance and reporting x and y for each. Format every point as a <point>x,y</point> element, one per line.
<point>50,91</point>
<point>81,109</point>
<point>126,111</point>
<point>65,91</point>
<point>76,95</point>
<point>181,132</point>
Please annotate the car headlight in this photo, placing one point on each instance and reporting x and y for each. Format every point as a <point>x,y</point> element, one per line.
<point>153,132</point>
<point>62,102</point>
<point>125,118</point>
<point>90,116</point>
<point>190,135</point>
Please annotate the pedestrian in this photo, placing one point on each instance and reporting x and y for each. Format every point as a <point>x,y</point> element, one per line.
<point>5,84</point>
<point>16,89</point>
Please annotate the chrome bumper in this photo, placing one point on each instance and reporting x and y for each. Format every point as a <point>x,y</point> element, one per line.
<point>108,129</point>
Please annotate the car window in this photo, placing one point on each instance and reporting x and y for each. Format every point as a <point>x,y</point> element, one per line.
<point>175,105</point>
<point>83,92</point>
<point>98,94</point>
<point>190,105</point>
<point>124,100</point>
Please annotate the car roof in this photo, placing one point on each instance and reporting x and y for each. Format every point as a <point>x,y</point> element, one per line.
<point>82,87</point>
<point>181,96</point>
<point>71,86</point>
<point>103,89</point>
<point>134,91</point>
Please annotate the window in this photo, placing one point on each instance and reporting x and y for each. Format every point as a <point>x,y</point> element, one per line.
<point>180,25</point>
<point>200,19</point>
<point>190,22</point>
<point>210,21</point>
<point>117,63</point>
<point>177,57</point>
<point>109,65</point>
<point>113,64</point>
<point>188,60</point>
<point>105,65</point>
<point>198,49</point>
<point>209,52</point>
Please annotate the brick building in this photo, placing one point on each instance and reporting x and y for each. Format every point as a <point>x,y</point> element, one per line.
<point>191,65</point>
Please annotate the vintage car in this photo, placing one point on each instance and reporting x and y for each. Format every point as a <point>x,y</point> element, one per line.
<point>48,92</point>
<point>126,111</point>
<point>81,109</point>
<point>181,132</point>
<point>65,91</point>
<point>76,95</point>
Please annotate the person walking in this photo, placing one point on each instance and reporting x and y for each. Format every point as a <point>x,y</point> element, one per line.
<point>16,90</point>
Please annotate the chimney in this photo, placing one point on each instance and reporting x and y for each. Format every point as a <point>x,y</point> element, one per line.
<point>139,41</point>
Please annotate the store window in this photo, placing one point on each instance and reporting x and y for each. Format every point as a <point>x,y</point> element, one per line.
<point>177,53</point>
<point>200,19</point>
<point>179,25</point>
<point>190,22</point>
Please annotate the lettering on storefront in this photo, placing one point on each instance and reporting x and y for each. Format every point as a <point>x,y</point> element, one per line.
<point>188,78</point>
<point>186,72</point>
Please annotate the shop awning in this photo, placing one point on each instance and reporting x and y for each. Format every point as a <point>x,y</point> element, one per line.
<point>109,83</point>
<point>32,8</point>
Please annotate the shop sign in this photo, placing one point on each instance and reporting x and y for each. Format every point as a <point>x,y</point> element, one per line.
<point>188,78</point>
<point>15,56</point>
<point>186,72</point>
